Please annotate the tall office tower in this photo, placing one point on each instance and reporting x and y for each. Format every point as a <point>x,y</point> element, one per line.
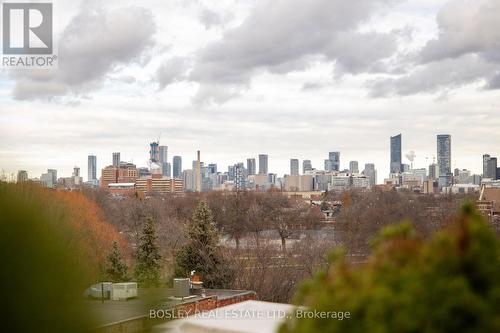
<point>239,176</point>
<point>353,167</point>
<point>371,173</point>
<point>491,168</point>
<point>212,168</point>
<point>177,167</point>
<point>230,172</point>
<point>198,172</point>
<point>395,166</point>
<point>163,160</point>
<point>92,167</point>
<point>154,152</point>
<point>53,172</point>
<point>263,164</point>
<point>486,158</point>
<point>251,166</point>
<point>294,167</point>
<point>328,165</point>
<point>166,170</point>
<point>188,180</point>
<point>22,176</point>
<point>116,159</point>
<point>334,156</point>
<point>306,166</point>
<point>444,154</point>
<point>433,171</point>
<point>163,154</point>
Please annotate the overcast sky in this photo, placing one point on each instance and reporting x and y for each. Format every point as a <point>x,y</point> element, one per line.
<point>290,78</point>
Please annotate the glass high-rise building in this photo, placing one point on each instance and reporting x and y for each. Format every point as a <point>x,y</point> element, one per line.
<point>334,157</point>
<point>353,167</point>
<point>239,176</point>
<point>444,154</point>
<point>163,152</point>
<point>177,167</point>
<point>163,160</point>
<point>251,166</point>
<point>486,158</point>
<point>433,172</point>
<point>396,155</point>
<point>92,168</point>
<point>371,173</point>
<point>306,166</point>
<point>263,164</point>
<point>294,167</point>
<point>212,168</point>
<point>116,159</point>
<point>491,169</point>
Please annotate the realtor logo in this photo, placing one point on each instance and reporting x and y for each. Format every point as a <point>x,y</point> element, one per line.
<point>27,29</point>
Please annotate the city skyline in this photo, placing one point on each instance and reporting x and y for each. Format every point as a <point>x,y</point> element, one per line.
<point>344,165</point>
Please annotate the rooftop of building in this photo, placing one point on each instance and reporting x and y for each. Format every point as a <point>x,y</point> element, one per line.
<point>115,313</point>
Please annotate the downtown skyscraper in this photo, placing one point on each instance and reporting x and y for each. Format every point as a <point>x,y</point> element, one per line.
<point>177,167</point>
<point>490,167</point>
<point>396,154</point>
<point>306,166</point>
<point>444,154</point>
<point>163,160</point>
<point>92,168</point>
<point>263,164</point>
<point>251,166</point>
<point>353,167</point>
<point>116,159</point>
<point>333,161</point>
<point>294,167</point>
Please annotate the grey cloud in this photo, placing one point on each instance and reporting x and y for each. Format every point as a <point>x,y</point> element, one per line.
<point>494,82</point>
<point>172,70</point>
<point>128,79</point>
<point>217,93</point>
<point>93,44</point>
<point>312,86</point>
<point>211,19</point>
<point>466,50</point>
<point>282,36</point>
<point>33,89</point>
<point>466,27</point>
<point>430,78</point>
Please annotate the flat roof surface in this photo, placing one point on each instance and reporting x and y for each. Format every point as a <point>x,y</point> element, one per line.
<point>108,312</point>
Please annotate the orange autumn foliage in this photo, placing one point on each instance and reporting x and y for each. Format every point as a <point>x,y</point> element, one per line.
<point>94,235</point>
<point>82,225</point>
